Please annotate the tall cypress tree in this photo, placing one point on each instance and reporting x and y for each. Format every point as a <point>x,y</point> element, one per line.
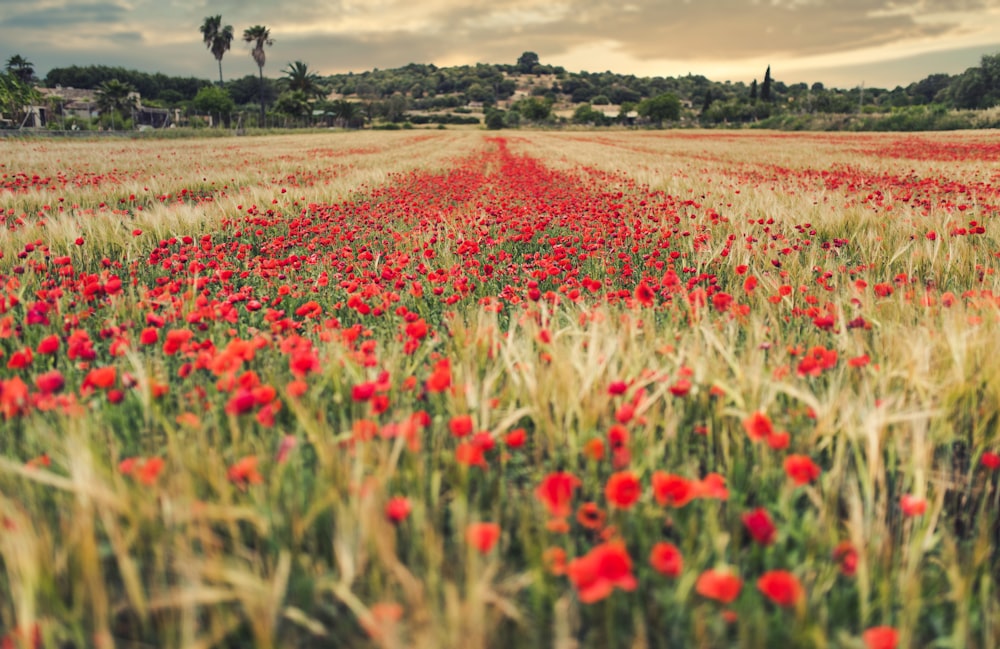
<point>765,88</point>
<point>753,90</point>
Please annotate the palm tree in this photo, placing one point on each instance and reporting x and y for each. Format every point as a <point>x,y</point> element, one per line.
<point>217,39</point>
<point>348,113</point>
<point>259,36</point>
<point>114,97</point>
<point>301,78</point>
<point>16,96</point>
<point>21,68</point>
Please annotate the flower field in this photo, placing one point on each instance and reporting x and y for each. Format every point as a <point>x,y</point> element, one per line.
<point>548,390</point>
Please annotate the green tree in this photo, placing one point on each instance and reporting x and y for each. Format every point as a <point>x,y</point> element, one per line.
<point>214,101</point>
<point>16,96</point>
<point>299,77</point>
<point>663,107</point>
<point>585,114</point>
<point>259,37</point>
<point>114,98</point>
<point>969,89</point>
<point>534,109</point>
<point>393,109</point>
<point>527,62</point>
<point>21,68</point>
<point>990,65</point>
<point>293,103</point>
<point>347,113</point>
<point>753,90</point>
<point>765,88</point>
<point>494,119</point>
<point>217,39</point>
<point>246,90</point>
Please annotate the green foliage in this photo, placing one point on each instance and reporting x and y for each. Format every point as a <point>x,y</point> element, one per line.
<point>445,118</point>
<point>293,103</point>
<point>247,90</point>
<point>217,39</point>
<point>114,100</point>
<point>21,68</point>
<point>585,114</point>
<point>300,78</point>
<point>665,107</point>
<point>527,62</point>
<point>347,114</point>
<point>534,109</point>
<point>214,100</point>
<point>494,119</point>
<point>259,37</point>
<point>765,87</point>
<point>149,86</point>
<point>15,96</point>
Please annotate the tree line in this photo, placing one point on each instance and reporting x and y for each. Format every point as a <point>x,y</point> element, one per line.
<point>300,92</point>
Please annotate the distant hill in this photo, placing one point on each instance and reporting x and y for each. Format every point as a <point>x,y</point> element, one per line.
<point>539,92</point>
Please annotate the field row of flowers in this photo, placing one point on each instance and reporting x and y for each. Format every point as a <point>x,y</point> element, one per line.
<point>454,390</point>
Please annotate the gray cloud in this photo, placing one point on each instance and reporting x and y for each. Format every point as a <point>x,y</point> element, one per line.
<point>340,35</point>
<point>724,29</point>
<point>25,15</point>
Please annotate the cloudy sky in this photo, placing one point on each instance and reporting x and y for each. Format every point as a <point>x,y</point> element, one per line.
<point>839,42</point>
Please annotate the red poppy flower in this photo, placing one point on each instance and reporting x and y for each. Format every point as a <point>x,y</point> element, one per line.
<point>48,345</point>
<point>666,559</point>
<point>460,425</point>
<point>244,472</point>
<point>672,490</point>
<point>148,472</point>
<point>779,441</point>
<point>644,295</point>
<point>720,585</point>
<point>681,388</point>
<point>847,556</point>
<point>617,437</point>
<point>556,492</point>
<point>881,637</point>
<point>912,505</point>
<point>515,438</point>
<point>397,509</point>
<point>617,387</point>
<point>440,379</point>
<point>149,336</point>
<point>713,485</point>
<point>596,574</point>
<point>554,559</point>
<point>623,489</point>
<point>241,403</point>
<point>470,454</point>
<point>625,413</point>
<point>801,469</point>
<point>758,426</point>
<point>482,536</point>
<point>590,516</point>
<point>760,526</point>
<point>781,587</point>
<point>50,382</point>
<point>362,391</point>
<point>990,460</point>
<point>594,448</point>
<point>859,361</point>
<point>417,330</point>
<point>101,377</point>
